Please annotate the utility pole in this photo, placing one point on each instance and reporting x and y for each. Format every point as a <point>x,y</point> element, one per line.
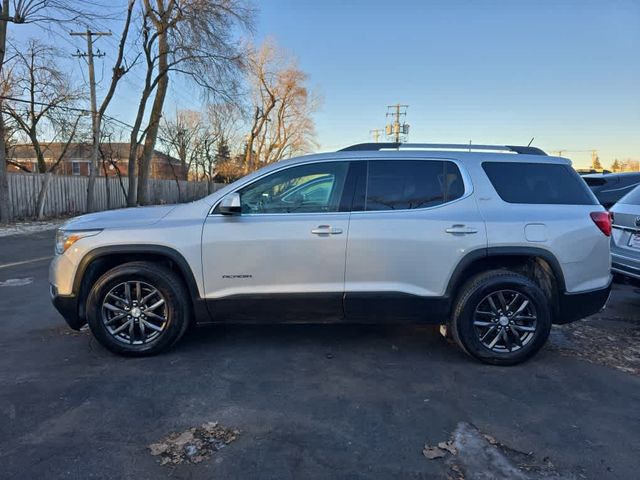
<point>395,129</point>
<point>95,118</point>
<point>376,132</point>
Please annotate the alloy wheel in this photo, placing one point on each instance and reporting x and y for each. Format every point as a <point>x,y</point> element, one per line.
<point>505,321</point>
<point>134,312</point>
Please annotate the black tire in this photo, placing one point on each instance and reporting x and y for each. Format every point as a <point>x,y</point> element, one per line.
<point>475,295</point>
<point>175,309</point>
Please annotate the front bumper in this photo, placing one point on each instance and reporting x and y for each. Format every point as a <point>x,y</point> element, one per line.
<point>574,306</point>
<point>67,306</point>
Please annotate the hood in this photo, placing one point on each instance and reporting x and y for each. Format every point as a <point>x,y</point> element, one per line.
<point>121,218</point>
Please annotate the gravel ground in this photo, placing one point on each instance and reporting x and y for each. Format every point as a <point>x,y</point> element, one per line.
<point>608,338</point>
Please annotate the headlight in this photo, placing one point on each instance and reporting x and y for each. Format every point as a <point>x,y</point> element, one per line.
<point>66,238</point>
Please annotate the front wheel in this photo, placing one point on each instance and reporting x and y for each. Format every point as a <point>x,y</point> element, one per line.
<point>137,309</point>
<point>501,317</point>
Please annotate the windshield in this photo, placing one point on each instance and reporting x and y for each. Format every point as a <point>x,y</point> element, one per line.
<point>632,198</point>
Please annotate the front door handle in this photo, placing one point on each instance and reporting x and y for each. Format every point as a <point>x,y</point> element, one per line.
<point>326,230</point>
<point>460,230</point>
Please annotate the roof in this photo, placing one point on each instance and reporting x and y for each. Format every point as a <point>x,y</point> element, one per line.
<point>611,174</point>
<point>83,150</point>
<point>529,150</point>
<point>391,151</point>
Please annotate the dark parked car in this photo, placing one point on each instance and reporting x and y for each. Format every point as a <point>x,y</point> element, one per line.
<point>611,187</point>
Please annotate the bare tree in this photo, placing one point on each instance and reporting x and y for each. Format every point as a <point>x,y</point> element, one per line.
<point>262,68</point>
<point>21,12</point>
<point>42,98</point>
<point>120,68</point>
<point>67,130</point>
<point>186,137</point>
<point>223,131</point>
<point>291,130</point>
<point>194,38</point>
<point>42,107</point>
<point>109,157</point>
<point>281,123</point>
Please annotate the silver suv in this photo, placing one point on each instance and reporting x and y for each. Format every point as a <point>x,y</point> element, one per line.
<point>494,243</point>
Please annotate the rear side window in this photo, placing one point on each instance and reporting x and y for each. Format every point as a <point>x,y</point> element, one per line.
<point>632,198</point>
<point>409,184</point>
<point>538,183</point>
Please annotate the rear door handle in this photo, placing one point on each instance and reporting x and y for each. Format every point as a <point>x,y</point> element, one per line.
<point>460,230</point>
<point>326,230</point>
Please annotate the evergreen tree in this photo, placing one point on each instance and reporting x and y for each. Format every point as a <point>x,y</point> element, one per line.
<point>615,166</point>
<point>595,162</point>
<point>223,153</point>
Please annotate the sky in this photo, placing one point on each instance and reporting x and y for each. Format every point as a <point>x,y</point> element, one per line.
<point>488,71</point>
<point>497,72</point>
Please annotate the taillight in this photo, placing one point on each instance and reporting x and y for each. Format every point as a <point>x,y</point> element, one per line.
<point>603,220</point>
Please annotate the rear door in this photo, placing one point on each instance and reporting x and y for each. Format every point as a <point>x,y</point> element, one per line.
<point>411,224</point>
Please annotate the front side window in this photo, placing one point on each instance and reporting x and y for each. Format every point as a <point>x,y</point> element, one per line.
<point>75,168</point>
<point>409,184</point>
<point>312,188</point>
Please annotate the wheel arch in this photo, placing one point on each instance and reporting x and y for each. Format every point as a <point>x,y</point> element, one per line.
<point>99,260</point>
<point>536,263</point>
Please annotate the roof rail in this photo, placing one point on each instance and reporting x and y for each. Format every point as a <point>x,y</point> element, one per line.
<point>360,147</point>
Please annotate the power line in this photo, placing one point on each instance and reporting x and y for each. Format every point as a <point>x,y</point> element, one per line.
<point>376,133</point>
<point>95,117</point>
<point>74,109</point>
<point>396,129</point>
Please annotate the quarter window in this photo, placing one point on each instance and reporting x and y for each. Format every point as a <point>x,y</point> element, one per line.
<point>409,184</point>
<point>316,187</point>
<point>538,183</point>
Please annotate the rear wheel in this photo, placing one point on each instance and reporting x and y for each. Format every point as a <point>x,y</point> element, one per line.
<point>137,309</point>
<point>501,317</point>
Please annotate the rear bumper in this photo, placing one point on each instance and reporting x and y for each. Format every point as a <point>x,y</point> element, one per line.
<point>574,306</point>
<point>67,306</point>
<point>625,265</point>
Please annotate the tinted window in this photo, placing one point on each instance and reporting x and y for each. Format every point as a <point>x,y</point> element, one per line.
<point>538,183</point>
<point>594,181</point>
<point>315,187</point>
<point>632,198</point>
<point>407,184</point>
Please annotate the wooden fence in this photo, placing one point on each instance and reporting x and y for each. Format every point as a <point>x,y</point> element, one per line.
<point>67,195</point>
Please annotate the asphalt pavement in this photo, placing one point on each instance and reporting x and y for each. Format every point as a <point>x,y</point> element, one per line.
<point>310,401</point>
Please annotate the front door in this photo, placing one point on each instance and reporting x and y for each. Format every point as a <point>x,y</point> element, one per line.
<point>283,257</point>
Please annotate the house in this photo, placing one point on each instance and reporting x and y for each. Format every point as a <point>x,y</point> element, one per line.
<point>77,160</point>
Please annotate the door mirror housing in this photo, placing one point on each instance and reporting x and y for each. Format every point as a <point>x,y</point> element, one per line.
<point>230,204</point>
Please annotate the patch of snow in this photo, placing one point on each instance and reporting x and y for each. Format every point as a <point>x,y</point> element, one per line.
<point>27,228</point>
<point>17,282</point>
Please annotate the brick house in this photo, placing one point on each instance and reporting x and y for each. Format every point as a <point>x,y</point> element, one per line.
<point>77,160</point>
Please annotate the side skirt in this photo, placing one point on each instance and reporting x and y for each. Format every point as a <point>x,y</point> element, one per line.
<point>350,307</point>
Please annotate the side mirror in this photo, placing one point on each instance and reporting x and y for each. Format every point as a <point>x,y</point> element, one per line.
<point>230,204</point>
